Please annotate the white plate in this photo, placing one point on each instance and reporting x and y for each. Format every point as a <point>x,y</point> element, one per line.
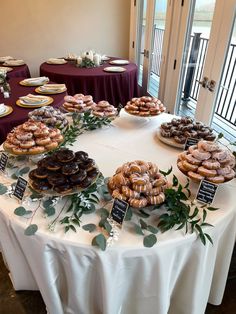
<point>168,140</point>
<point>14,63</point>
<point>105,58</point>
<point>3,110</point>
<point>56,61</point>
<point>3,59</point>
<point>114,69</point>
<point>5,69</point>
<point>119,62</point>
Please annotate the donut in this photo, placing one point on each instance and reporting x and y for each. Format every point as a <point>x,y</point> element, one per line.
<point>207,146</point>
<point>230,175</point>
<point>51,164</point>
<point>192,148</point>
<point>206,172</point>
<point>216,179</point>
<point>154,191</point>
<point>224,171</point>
<point>129,193</point>
<point>142,188</point>
<point>195,176</point>
<point>56,179</point>
<point>80,155</point>
<point>93,173</point>
<point>65,155</point>
<point>52,145</point>
<point>181,167</point>
<point>159,182</point>
<point>201,155</point>
<point>63,189</point>
<point>88,164</point>
<point>117,194</point>
<point>9,145</point>
<point>86,182</point>
<point>138,203</point>
<point>78,177</point>
<point>192,160</point>
<point>58,138</point>
<point>219,155</point>
<point>36,150</point>
<point>23,136</point>
<point>156,199</point>
<point>70,168</point>
<point>29,126</point>
<point>181,139</point>
<point>87,98</point>
<point>103,104</point>
<point>43,141</point>
<point>41,185</point>
<point>137,179</point>
<point>211,164</point>
<point>40,173</point>
<point>19,151</point>
<point>188,166</point>
<point>41,132</point>
<point>182,156</point>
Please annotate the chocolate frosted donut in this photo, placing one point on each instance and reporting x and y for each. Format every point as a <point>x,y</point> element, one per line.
<point>31,174</point>
<point>93,173</point>
<point>41,173</point>
<point>63,189</point>
<point>65,155</point>
<point>83,156</point>
<point>51,164</point>
<point>57,179</point>
<point>88,164</point>
<point>78,177</point>
<point>70,168</point>
<point>86,182</point>
<point>41,185</point>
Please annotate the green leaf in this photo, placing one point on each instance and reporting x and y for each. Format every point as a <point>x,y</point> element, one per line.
<point>220,135</point>
<point>24,170</point>
<point>72,228</point>
<point>89,227</point>
<point>47,203</point>
<point>138,229</point>
<point>143,224</point>
<point>20,211</point>
<point>31,230</point>
<point>152,229</point>
<point>175,181</point>
<point>103,212</point>
<point>212,208</point>
<point>67,228</point>
<point>205,224</point>
<point>107,227</point>
<point>90,210</point>
<point>129,214</point>
<point>50,210</point>
<point>208,237</point>
<point>196,211</point>
<point>166,173</point>
<point>99,241</point>
<point>204,215</point>
<point>149,240</point>
<point>3,189</point>
<point>142,213</point>
<point>28,212</point>
<point>202,238</point>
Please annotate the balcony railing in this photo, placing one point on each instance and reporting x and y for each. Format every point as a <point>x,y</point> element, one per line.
<point>226,99</point>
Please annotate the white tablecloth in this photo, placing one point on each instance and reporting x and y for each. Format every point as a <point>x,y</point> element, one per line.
<point>178,275</point>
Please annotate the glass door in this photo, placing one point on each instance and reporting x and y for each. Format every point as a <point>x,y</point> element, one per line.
<point>151,28</point>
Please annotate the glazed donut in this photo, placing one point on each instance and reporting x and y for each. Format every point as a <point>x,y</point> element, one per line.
<point>103,104</point>
<point>192,148</point>
<point>54,132</point>
<point>224,171</point>
<point>153,169</point>
<point>93,173</point>
<point>201,155</point>
<point>211,164</point>
<point>51,146</point>
<point>192,160</point>
<point>166,133</point>
<point>42,141</point>
<point>41,185</point>
<point>219,155</point>
<point>230,175</point>
<point>116,194</point>
<point>134,167</point>
<point>156,199</point>
<point>154,191</point>
<point>85,183</point>
<point>129,193</point>
<point>188,166</point>
<point>195,176</point>
<point>181,167</point>
<point>51,164</point>
<point>181,139</point>
<point>182,156</point>
<point>119,180</point>
<point>36,150</point>
<point>207,146</point>
<point>65,155</point>
<point>58,138</point>
<point>138,179</point>
<point>216,179</point>
<point>81,156</point>
<point>207,172</point>
<point>79,96</point>
<point>138,203</point>
<point>111,184</point>
<point>142,188</point>
<point>159,182</point>
<point>27,144</point>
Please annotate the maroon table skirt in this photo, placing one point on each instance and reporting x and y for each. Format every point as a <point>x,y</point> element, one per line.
<point>19,114</point>
<point>117,88</point>
<point>19,71</point>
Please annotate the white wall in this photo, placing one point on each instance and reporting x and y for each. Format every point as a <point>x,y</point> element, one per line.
<point>35,30</point>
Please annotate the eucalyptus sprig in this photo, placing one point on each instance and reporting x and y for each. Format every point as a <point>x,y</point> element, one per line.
<point>183,214</point>
<point>86,63</point>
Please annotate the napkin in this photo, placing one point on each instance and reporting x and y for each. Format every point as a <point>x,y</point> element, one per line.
<point>56,61</point>
<point>36,80</point>
<point>2,108</point>
<point>3,59</point>
<point>14,62</point>
<point>52,88</point>
<point>33,99</point>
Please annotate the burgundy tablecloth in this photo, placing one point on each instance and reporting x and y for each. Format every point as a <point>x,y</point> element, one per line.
<point>117,88</point>
<point>19,114</point>
<point>20,71</point>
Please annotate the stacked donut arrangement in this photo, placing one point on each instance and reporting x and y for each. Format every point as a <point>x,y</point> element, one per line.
<point>104,110</point>
<point>52,117</point>
<point>31,138</point>
<point>207,160</point>
<point>78,103</point>
<point>63,172</point>
<point>181,128</point>
<point>139,183</point>
<point>145,106</point>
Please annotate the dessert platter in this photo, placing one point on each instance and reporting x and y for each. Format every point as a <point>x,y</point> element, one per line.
<point>63,173</point>
<point>119,62</point>
<point>52,117</point>
<point>14,62</point>
<point>175,132</point>
<point>114,69</point>
<point>56,61</point>
<point>104,110</point>
<point>5,58</point>
<point>139,183</point>
<point>35,81</point>
<point>5,69</point>
<point>51,89</point>
<point>32,138</point>
<point>207,160</point>
<point>5,110</point>
<point>144,106</point>
<point>33,101</point>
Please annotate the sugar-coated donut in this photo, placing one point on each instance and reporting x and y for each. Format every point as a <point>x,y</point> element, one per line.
<point>192,148</point>
<point>216,179</point>
<point>208,146</point>
<point>181,167</point>
<point>201,155</point>
<point>211,164</point>
<point>224,171</point>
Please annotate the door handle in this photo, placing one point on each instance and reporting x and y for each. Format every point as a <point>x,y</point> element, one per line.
<point>204,82</point>
<point>211,85</point>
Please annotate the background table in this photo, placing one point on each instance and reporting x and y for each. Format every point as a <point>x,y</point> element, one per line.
<point>178,275</point>
<point>117,88</point>
<point>19,71</point>
<point>20,114</point>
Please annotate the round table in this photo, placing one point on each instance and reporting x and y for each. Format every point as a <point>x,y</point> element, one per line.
<point>19,71</point>
<point>177,275</point>
<point>20,114</point>
<point>117,88</point>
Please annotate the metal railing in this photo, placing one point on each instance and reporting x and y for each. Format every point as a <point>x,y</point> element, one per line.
<point>226,98</point>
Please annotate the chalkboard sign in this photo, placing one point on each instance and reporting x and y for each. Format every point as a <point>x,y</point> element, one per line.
<point>206,192</point>
<point>3,162</point>
<point>119,210</point>
<point>21,185</point>
<point>190,141</point>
